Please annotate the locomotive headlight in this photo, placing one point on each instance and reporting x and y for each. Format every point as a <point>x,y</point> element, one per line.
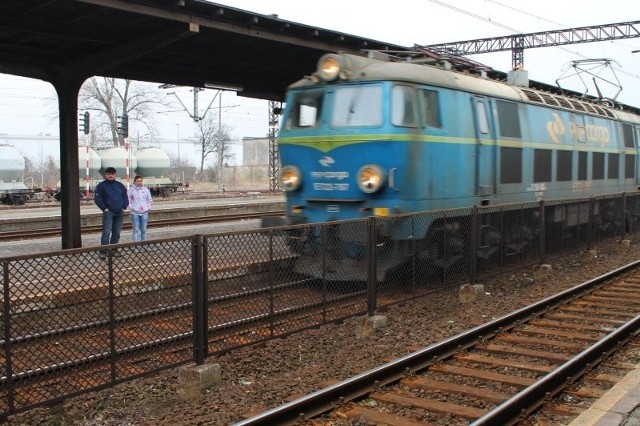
<point>290,178</point>
<point>370,178</point>
<point>329,66</point>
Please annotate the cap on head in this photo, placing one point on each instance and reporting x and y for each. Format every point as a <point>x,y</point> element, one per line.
<point>109,170</point>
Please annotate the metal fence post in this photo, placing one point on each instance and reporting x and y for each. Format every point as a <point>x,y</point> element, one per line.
<point>414,257</point>
<point>371,266</point>
<point>323,243</point>
<point>112,318</point>
<point>591,222</point>
<point>624,215</point>
<point>543,234</point>
<point>473,255</point>
<point>6,304</point>
<point>199,299</point>
<point>272,316</point>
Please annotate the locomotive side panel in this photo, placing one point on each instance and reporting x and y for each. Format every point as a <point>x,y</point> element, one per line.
<point>365,137</point>
<point>446,165</point>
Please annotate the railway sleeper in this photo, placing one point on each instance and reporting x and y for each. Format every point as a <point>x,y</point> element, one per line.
<point>483,375</point>
<point>367,416</point>
<point>559,316</point>
<point>470,413</point>
<point>537,341</point>
<point>587,392</point>
<point>482,359</point>
<point>559,334</point>
<point>514,350</point>
<point>544,322</point>
<point>489,395</point>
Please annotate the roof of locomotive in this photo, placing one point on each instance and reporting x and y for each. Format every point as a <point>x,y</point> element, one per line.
<point>442,73</point>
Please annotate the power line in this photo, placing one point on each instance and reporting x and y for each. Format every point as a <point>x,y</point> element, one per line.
<point>495,23</point>
<point>473,15</point>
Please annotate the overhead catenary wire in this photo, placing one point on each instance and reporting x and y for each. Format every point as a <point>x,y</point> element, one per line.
<point>516,31</point>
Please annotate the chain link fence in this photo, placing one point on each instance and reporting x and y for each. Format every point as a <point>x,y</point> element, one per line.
<point>76,322</point>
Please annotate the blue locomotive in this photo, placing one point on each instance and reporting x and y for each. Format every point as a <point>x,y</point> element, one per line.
<point>382,135</point>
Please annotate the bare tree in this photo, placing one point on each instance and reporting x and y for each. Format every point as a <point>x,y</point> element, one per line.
<point>213,138</point>
<point>111,98</point>
<point>50,172</point>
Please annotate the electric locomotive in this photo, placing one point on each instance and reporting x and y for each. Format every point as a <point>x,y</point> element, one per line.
<point>381,135</point>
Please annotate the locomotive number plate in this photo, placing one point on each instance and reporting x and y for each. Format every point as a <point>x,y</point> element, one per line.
<point>333,208</point>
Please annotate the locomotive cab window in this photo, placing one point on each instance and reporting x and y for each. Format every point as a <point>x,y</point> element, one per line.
<point>305,110</point>
<point>430,108</point>
<point>403,106</point>
<point>483,120</point>
<point>357,106</point>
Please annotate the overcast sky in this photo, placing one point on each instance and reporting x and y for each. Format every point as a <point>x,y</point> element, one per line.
<point>28,107</point>
<point>424,22</point>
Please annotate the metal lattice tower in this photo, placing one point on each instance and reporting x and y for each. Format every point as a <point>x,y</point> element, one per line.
<point>518,42</point>
<point>274,155</point>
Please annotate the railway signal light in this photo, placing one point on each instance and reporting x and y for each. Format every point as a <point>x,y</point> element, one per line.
<point>123,125</point>
<point>85,122</point>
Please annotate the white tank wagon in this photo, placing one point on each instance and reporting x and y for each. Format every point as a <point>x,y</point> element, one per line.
<point>89,168</point>
<point>153,165</point>
<point>89,164</point>
<point>13,190</point>
<point>150,163</point>
<point>121,159</point>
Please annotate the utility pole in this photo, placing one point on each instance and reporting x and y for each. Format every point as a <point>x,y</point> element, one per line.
<point>275,109</point>
<point>220,145</point>
<point>178,126</point>
<point>196,114</point>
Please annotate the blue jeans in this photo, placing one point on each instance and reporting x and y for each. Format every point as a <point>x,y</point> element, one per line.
<point>111,227</point>
<point>139,225</point>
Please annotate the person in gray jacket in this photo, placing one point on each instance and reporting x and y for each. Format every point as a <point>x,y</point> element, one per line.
<point>111,197</point>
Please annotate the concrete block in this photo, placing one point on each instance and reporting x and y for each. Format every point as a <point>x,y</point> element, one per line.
<point>589,256</point>
<point>368,325</point>
<point>540,272</point>
<point>469,293</point>
<point>193,379</point>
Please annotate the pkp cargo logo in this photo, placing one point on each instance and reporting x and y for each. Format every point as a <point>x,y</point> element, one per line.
<point>326,161</point>
<point>555,128</point>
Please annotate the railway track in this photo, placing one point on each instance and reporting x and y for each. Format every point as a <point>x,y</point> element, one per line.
<point>150,326</point>
<point>497,373</point>
<point>153,324</point>
<point>51,232</point>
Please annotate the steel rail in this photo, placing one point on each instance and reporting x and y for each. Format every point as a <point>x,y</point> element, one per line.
<point>123,319</point>
<point>360,385</point>
<point>46,232</point>
<point>151,345</point>
<point>532,397</point>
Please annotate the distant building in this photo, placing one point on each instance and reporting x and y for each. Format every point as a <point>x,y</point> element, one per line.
<point>255,151</point>
<point>254,171</point>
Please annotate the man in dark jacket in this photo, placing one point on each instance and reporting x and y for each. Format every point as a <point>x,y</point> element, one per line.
<point>111,197</point>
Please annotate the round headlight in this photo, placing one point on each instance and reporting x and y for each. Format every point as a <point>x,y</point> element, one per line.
<point>370,178</point>
<point>329,66</point>
<point>290,178</point>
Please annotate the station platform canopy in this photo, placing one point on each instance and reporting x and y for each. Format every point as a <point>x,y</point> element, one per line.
<point>181,42</point>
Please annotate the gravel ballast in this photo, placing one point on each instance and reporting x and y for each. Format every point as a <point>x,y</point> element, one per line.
<point>264,376</point>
